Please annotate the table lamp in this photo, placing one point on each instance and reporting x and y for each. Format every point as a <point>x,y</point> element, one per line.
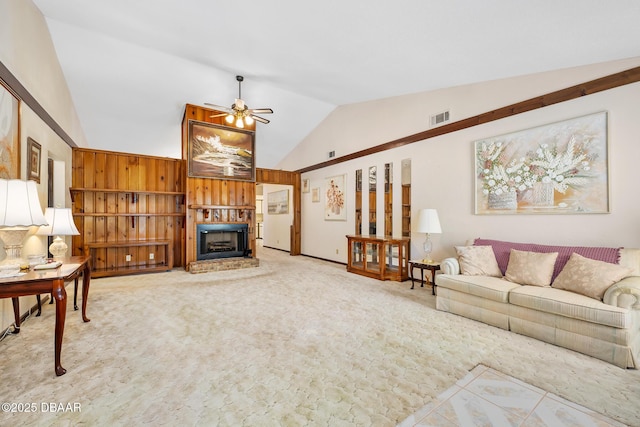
<point>19,209</point>
<point>60,224</point>
<point>428,223</point>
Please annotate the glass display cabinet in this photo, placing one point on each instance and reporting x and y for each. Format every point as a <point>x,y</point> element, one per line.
<point>383,258</point>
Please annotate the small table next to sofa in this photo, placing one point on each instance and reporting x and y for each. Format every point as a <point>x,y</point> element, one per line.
<point>432,266</point>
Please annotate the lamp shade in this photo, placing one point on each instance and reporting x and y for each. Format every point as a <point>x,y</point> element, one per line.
<point>428,221</point>
<point>60,223</point>
<point>19,204</point>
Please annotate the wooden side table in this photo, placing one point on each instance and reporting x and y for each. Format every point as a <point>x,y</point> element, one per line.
<point>432,266</point>
<point>52,282</point>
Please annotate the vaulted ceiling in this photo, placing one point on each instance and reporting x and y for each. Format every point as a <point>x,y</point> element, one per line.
<point>131,66</point>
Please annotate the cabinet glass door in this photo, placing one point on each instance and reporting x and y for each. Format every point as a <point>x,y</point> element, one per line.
<point>357,254</point>
<point>373,254</point>
<point>392,257</point>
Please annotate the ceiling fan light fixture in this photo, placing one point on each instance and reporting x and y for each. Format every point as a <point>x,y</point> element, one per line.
<point>239,114</point>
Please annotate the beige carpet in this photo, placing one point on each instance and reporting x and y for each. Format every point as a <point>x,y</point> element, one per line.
<point>296,341</point>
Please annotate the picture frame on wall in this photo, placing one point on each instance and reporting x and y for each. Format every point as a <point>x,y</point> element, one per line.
<point>9,133</point>
<point>335,208</point>
<point>558,168</point>
<point>315,195</point>
<point>221,152</point>
<point>34,153</point>
<point>305,186</point>
<point>278,202</point>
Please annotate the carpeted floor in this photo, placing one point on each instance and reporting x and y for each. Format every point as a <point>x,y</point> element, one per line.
<point>296,341</point>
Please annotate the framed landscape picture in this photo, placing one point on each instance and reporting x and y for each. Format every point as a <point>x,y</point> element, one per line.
<point>278,202</point>
<point>9,134</point>
<point>559,168</point>
<point>216,151</point>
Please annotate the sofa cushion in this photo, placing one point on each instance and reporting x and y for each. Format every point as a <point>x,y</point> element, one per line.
<point>569,304</point>
<point>589,277</point>
<point>502,251</point>
<point>630,258</point>
<point>493,288</point>
<point>478,261</point>
<point>530,268</point>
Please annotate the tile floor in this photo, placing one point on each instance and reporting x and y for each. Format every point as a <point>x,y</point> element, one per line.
<point>485,397</point>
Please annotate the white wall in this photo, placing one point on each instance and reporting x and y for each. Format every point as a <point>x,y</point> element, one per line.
<point>277,227</point>
<point>443,167</point>
<point>27,51</point>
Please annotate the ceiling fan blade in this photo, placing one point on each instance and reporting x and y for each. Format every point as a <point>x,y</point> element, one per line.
<point>261,110</point>
<point>219,115</point>
<point>219,107</point>
<point>260,119</point>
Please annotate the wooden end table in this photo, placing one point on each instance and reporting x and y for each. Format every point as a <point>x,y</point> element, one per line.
<point>432,266</point>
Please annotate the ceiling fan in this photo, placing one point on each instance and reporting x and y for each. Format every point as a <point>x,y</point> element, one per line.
<point>239,114</point>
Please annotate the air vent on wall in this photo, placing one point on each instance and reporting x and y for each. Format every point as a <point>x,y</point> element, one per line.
<point>331,154</point>
<point>438,119</point>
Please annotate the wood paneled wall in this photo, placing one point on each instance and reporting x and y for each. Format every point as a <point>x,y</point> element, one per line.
<point>220,200</point>
<point>119,198</point>
<point>214,200</point>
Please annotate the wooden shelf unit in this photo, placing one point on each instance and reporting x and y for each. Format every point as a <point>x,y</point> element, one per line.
<point>383,258</point>
<point>126,204</point>
<point>106,257</point>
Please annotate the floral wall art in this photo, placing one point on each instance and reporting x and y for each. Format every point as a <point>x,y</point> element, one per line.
<point>335,209</point>
<point>560,168</point>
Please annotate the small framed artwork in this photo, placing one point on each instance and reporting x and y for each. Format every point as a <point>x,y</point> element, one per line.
<point>34,151</point>
<point>221,152</point>
<point>335,209</point>
<point>305,186</point>
<point>278,202</point>
<point>315,195</point>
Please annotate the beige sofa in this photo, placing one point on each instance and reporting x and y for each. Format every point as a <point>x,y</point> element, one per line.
<point>608,329</point>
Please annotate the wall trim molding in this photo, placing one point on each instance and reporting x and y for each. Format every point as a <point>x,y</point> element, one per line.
<point>26,97</point>
<point>611,81</point>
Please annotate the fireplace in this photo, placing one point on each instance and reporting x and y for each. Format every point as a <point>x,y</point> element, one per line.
<point>222,241</point>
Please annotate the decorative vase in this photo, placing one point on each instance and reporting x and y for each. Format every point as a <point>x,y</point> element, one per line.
<point>506,200</point>
<point>543,194</point>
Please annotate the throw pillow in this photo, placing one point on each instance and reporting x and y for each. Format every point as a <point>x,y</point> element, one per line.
<point>589,277</point>
<point>530,268</point>
<point>478,261</point>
